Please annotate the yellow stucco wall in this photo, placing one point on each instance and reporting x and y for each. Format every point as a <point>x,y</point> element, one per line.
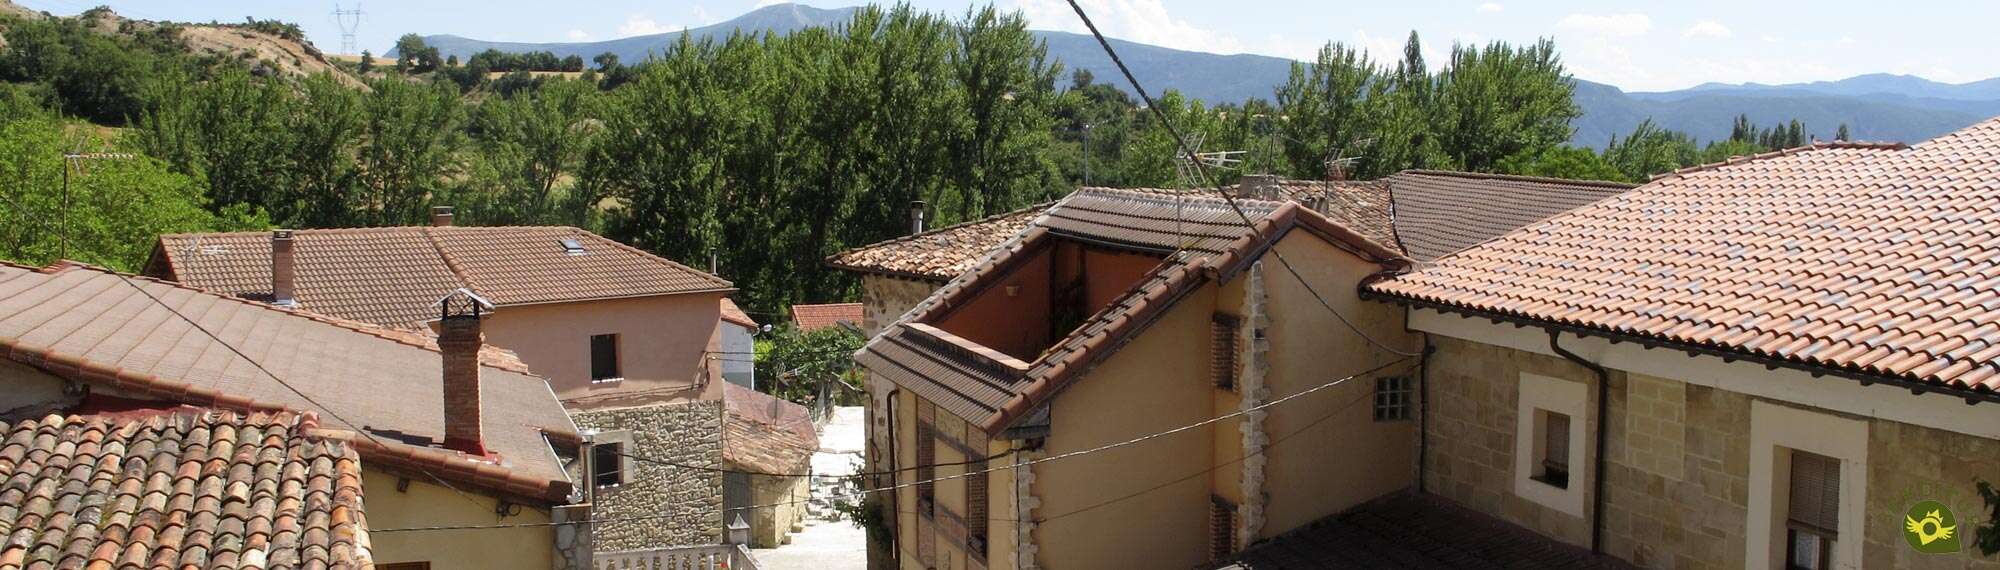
<point>1157,382</point>
<point>1337,455</point>
<point>429,504</point>
<point>664,347</point>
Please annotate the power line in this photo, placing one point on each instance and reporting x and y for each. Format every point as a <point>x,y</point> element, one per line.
<point>350,25</point>
<point>969,473</point>
<point>1202,169</point>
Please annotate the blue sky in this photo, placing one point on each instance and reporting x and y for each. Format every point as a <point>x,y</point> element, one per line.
<point>1639,46</point>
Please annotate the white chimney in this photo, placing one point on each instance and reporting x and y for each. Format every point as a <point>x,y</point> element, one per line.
<point>916,217</point>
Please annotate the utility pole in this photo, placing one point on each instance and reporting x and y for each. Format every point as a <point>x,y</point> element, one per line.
<point>1086,154</point>
<point>74,160</point>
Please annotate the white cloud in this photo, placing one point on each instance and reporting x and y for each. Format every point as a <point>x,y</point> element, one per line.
<point>1607,25</point>
<point>765,3</point>
<point>578,36</point>
<point>1143,21</point>
<point>1770,39</point>
<point>641,25</point>
<point>1707,29</point>
<point>1490,7</point>
<point>1846,39</point>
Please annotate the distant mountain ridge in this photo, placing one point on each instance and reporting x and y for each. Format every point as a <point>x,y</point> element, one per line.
<point>1875,106</point>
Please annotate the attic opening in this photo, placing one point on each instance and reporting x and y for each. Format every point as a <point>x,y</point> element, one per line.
<point>571,246</point>
<point>1057,283</point>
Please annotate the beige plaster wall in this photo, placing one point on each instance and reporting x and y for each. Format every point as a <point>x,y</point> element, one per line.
<point>665,344</point>
<point>428,504</point>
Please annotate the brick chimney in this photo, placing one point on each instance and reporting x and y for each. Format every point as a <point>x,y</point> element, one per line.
<point>1260,187</point>
<point>916,217</point>
<point>440,216</point>
<point>283,273</point>
<point>459,339</point>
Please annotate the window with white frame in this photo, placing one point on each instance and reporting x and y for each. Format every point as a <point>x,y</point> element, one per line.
<point>1549,442</point>
<point>1808,488</point>
<point>1393,400</point>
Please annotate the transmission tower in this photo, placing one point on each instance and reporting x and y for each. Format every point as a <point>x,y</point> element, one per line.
<point>350,24</point>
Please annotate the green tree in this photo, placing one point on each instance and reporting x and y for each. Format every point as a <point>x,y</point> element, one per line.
<point>1502,100</point>
<point>1565,161</point>
<point>1329,108</point>
<point>803,366</point>
<point>410,139</point>
<point>367,63</point>
<point>116,206</point>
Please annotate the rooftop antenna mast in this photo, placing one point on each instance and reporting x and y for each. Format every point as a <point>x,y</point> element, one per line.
<point>1191,176</point>
<point>350,24</point>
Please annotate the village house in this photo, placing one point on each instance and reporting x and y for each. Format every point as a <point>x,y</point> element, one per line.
<point>1772,362</point>
<point>738,353</point>
<point>1428,211</point>
<point>768,446</point>
<point>227,432</point>
<point>1069,337</point>
<point>633,344</point>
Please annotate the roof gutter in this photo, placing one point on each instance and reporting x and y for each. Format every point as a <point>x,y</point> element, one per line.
<point>1603,423</point>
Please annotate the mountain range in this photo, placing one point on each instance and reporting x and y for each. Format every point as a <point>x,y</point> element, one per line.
<point>1879,107</point>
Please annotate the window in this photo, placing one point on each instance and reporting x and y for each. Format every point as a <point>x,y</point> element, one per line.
<point>975,499</point>
<point>1221,528</point>
<point>1392,398</point>
<point>1222,350</point>
<point>1549,442</point>
<point>604,358</point>
<point>607,463</point>
<point>1813,518</point>
<point>571,246</point>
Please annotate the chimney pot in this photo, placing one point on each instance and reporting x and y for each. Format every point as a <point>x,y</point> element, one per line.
<point>459,339</point>
<point>441,216</point>
<point>916,217</point>
<point>283,272</point>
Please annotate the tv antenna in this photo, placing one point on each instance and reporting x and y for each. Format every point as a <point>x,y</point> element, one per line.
<point>1338,163</point>
<point>1191,177</point>
<point>350,24</point>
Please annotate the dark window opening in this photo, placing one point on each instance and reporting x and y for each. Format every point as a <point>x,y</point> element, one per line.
<point>1552,465</point>
<point>604,358</point>
<point>606,461</point>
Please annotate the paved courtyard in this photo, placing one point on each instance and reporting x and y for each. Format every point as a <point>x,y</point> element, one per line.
<point>827,544</point>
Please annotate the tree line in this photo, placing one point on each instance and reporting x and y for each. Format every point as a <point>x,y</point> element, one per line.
<point>768,152</point>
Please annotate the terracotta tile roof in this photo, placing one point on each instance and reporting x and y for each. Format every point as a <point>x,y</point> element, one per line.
<point>1408,530</point>
<point>815,317</point>
<point>394,276</point>
<point>992,389</point>
<point>764,434</point>
<point>1436,212</point>
<point>734,314</point>
<point>1859,259</point>
<point>1429,213</point>
<point>180,489</point>
<point>939,254</point>
<point>92,325</point>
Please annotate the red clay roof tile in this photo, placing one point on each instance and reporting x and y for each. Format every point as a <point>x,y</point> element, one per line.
<point>1869,258</point>
<point>394,276</point>
<point>190,487</point>
<point>939,254</point>
<point>94,325</point>
<point>815,317</point>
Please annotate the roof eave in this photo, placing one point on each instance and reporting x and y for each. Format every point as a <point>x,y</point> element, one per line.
<point>1727,354</point>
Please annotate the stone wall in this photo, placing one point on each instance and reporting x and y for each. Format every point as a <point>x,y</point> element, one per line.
<point>883,299</point>
<point>687,434</point>
<point>1678,463</point>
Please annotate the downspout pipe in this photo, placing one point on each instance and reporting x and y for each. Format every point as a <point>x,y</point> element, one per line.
<point>1603,425</point>
<point>1424,412</point>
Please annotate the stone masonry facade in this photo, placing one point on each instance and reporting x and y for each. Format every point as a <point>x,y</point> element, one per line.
<point>688,434</point>
<point>1678,464</point>
<point>883,300</point>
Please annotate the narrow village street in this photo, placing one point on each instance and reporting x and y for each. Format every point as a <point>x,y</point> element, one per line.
<point>827,543</point>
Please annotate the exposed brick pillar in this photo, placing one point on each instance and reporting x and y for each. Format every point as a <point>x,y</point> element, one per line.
<point>459,339</point>
<point>441,216</point>
<point>283,273</point>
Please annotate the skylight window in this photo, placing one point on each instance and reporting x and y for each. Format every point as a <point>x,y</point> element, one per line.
<point>572,247</point>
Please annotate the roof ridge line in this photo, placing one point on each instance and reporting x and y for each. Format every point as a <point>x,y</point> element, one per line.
<point>450,262</point>
<point>662,260</point>
<point>1044,206</point>
<point>1515,177</point>
<point>1816,145</point>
